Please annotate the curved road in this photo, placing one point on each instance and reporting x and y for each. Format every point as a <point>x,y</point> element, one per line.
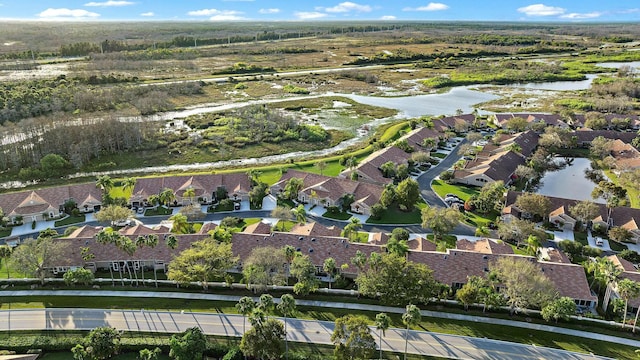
<point>308,331</point>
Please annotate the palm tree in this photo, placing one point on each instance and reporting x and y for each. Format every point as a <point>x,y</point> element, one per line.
<point>128,183</point>
<point>266,304</point>
<point>180,223</point>
<point>383,322</point>
<point>154,200</point>
<point>329,266</point>
<point>533,244</point>
<point>254,176</point>
<point>410,317</point>
<point>289,254</point>
<point>482,231</point>
<point>105,183</point>
<point>300,214</point>
<point>352,228</point>
<point>627,289</point>
<point>321,165</point>
<point>359,260</point>
<point>287,308</point>
<point>398,247</point>
<point>166,196</point>
<point>5,253</point>
<point>281,213</point>
<point>189,193</point>
<point>245,307</point>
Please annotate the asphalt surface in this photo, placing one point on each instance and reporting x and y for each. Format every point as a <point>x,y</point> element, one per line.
<point>308,331</point>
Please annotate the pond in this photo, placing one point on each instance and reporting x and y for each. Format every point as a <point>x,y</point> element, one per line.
<point>569,182</point>
<point>618,65</point>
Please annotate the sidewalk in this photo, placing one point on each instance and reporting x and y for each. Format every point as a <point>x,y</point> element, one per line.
<point>326,304</point>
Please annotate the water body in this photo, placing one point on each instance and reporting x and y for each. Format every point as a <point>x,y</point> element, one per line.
<point>432,104</point>
<point>569,182</point>
<point>559,85</point>
<point>618,65</point>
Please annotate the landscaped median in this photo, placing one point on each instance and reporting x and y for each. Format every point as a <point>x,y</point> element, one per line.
<point>455,321</point>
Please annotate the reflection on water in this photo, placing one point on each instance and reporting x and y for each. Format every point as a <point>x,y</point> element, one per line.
<point>569,182</point>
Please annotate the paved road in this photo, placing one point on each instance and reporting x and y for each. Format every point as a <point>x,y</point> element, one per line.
<point>420,342</point>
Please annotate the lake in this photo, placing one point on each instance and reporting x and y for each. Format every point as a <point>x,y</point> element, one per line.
<point>569,182</point>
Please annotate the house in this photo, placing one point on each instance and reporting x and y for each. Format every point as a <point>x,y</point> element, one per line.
<point>584,137</point>
<point>416,137</point>
<point>192,189</point>
<point>629,271</point>
<point>627,157</point>
<point>484,246</point>
<point>49,203</point>
<point>634,120</point>
<point>315,229</point>
<point>369,170</point>
<point>560,213</point>
<point>497,167</point>
<point>501,120</point>
<point>329,191</point>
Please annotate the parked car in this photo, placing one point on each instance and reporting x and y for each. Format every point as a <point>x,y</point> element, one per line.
<point>599,242</point>
<point>452,195</point>
<point>121,223</point>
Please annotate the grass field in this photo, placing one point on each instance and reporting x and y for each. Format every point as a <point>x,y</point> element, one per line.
<point>70,220</point>
<point>393,215</point>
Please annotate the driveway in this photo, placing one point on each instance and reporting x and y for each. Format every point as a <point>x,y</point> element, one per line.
<point>428,176</point>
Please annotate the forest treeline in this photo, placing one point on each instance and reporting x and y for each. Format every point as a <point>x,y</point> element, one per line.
<point>25,99</point>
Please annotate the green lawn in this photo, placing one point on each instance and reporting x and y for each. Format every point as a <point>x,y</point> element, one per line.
<point>581,237</point>
<point>160,210</point>
<point>337,216</point>
<point>464,192</point>
<point>617,246</point>
<point>438,155</point>
<point>632,194</point>
<point>393,215</point>
<point>284,225</point>
<point>127,356</point>
<point>70,220</point>
<point>4,232</point>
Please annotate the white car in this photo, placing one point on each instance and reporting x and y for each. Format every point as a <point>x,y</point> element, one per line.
<point>121,223</point>
<point>599,242</point>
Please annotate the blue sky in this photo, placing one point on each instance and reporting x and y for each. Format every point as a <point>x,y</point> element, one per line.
<point>321,10</point>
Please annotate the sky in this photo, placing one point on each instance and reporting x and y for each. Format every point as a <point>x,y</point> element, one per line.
<point>321,10</point>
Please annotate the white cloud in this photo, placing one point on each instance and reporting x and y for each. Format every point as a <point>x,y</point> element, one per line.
<point>309,15</point>
<point>148,14</point>
<point>579,16</point>
<point>388,17</point>
<point>429,7</point>
<point>348,6</point>
<point>541,10</point>
<point>269,11</point>
<point>213,12</point>
<point>226,17</point>
<point>109,3</point>
<point>67,14</point>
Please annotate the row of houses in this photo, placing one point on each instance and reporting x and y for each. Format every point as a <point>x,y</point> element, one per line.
<point>560,214</point>
<point>471,258</point>
<point>576,121</point>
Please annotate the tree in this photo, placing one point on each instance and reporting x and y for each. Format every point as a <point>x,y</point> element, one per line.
<point>524,285</point>
<point>172,241</point>
<point>33,257</point>
<point>420,157</point>
<point>440,220</point>
<point>407,194</point>
<point>469,292</point>
<point>300,214</point>
<point>350,230</point>
<point>619,234</point>
<point>265,338</point>
<point>388,195</point>
<point>264,268</point>
<point>595,122</point>
<point>584,211</point>
<point>321,165</point>
<point>352,338</point>
<point>525,172</point>
<point>100,343</point>
<point>180,224</point>
<point>245,307</point>
<point>489,196</point>
<point>359,260</point>
<point>166,196</point>
<point>5,254</point>
<point>303,269</point>
<point>189,345</point>
<point>397,281</point>
<point>286,307</point>
<point>128,183</point>
<point>534,204</point>
<point>482,231</point>
<point>146,354</point>
<point>429,143</point>
<point>189,193</point>
<point>104,183</point>
<point>612,193</point>
<point>257,195</point>
<point>516,124</point>
<point>113,214</point>
<point>204,261</point>
<point>78,276</point>
<point>627,289</point>
<point>519,230</point>
<point>383,322</point>
<point>474,136</point>
<point>466,150</point>
<point>329,266</point>
<point>559,309</point>
<point>411,317</point>
<point>53,165</point>
<point>266,304</point>
<point>600,147</point>
<point>388,169</point>
<point>398,247</point>
<point>281,213</point>
<point>291,188</point>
